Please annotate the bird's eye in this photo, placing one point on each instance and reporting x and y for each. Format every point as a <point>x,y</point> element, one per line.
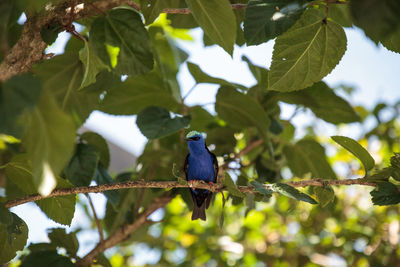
<point>196,138</point>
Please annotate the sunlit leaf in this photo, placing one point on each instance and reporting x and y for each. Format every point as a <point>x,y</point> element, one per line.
<point>357,150</point>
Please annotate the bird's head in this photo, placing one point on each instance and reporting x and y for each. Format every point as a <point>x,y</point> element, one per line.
<point>196,142</point>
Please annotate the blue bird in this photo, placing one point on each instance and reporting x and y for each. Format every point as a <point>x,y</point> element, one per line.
<point>200,164</point>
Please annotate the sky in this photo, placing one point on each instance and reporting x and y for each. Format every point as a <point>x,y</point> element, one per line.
<point>372,70</point>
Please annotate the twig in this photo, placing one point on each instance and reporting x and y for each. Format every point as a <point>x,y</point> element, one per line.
<point>125,231</point>
<point>98,224</point>
<point>244,151</point>
<point>174,184</point>
<point>187,10</point>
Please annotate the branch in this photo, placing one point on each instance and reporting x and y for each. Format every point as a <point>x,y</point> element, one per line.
<point>187,10</point>
<point>174,184</point>
<point>125,231</point>
<point>98,223</point>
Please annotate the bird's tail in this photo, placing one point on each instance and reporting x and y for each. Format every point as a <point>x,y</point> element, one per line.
<point>199,212</point>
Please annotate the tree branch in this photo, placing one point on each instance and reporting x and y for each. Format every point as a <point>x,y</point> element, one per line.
<point>98,223</point>
<point>174,184</point>
<point>125,231</point>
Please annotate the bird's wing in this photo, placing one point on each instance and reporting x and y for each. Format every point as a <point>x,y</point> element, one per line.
<point>186,166</point>
<point>215,164</point>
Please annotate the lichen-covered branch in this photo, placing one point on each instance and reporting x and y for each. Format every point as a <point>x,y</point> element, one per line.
<point>175,184</point>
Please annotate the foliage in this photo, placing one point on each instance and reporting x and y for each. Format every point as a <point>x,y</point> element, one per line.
<point>125,62</point>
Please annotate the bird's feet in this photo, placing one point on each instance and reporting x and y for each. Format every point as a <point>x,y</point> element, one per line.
<point>211,186</point>
<point>191,182</point>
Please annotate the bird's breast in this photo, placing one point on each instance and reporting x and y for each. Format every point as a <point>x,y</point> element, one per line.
<point>201,168</point>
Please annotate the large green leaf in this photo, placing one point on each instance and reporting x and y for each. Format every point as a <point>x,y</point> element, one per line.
<point>292,192</point>
<point>308,156</point>
<point>217,20</point>
<point>82,167</point>
<point>200,118</point>
<point>46,258</point>
<point>100,144</point>
<point>385,194</point>
<point>357,150</point>
<point>323,101</point>
<point>137,93</point>
<point>49,139</point>
<point>378,19</point>
<point>169,58</point>
<point>123,28</point>
<point>16,95</point>
<point>306,53</point>
<point>240,110</point>
<point>60,238</point>
<point>62,77</point>
<point>202,77</point>
<point>156,122</point>
<point>92,64</point>
<point>13,237</point>
<point>266,19</point>
<point>60,209</point>
<point>261,189</point>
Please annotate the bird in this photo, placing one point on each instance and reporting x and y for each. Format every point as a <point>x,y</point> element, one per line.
<point>200,164</point>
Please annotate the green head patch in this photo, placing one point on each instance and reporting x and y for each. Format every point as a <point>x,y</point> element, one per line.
<point>193,133</point>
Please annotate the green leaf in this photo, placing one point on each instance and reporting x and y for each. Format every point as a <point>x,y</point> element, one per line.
<point>385,194</point>
<point>50,138</point>
<point>103,177</point>
<point>49,32</point>
<point>392,42</point>
<point>261,189</point>
<point>200,118</point>
<point>46,258</point>
<point>138,93</point>
<point>292,192</point>
<point>357,150</point>
<point>217,20</point>
<point>265,19</point>
<point>156,122</point>
<point>123,28</point>
<point>62,77</point>
<point>5,215</point>
<point>308,156</point>
<point>151,9</point>
<point>378,19</point>
<point>323,101</point>
<point>395,166</point>
<point>231,186</point>
<point>315,49</point>
<point>102,260</point>
<point>325,195</point>
<point>259,73</point>
<point>341,14</point>
<point>202,77</point>
<point>82,167</point>
<point>169,58</point>
<point>97,141</point>
<point>240,110</point>
<point>91,62</point>
<point>60,209</point>
<point>13,237</point>
<point>60,238</point>
<point>18,94</point>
